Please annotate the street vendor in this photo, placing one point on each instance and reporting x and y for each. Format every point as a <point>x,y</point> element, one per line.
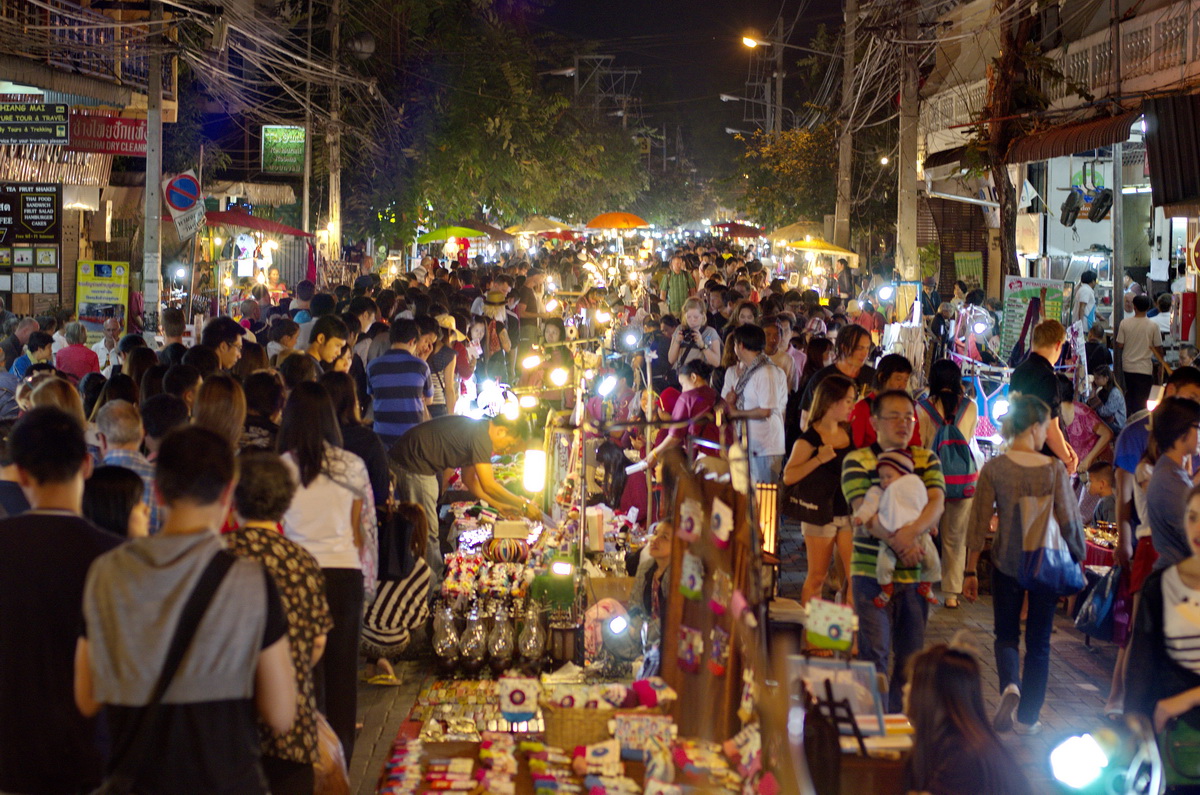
<point>427,450</point>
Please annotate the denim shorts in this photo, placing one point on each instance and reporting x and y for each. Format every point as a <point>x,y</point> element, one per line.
<point>840,524</point>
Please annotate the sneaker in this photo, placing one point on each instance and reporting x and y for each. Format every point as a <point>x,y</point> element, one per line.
<point>1024,729</point>
<point>1009,700</point>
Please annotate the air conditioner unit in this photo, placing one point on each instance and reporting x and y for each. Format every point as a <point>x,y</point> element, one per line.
<point>1102,202</point>
<point>1070,208</point>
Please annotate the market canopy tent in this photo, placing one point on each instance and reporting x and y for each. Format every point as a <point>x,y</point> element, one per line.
<point>818,246</point>
<point>798,231</point>
<point>245,220</point>
<point>617,221</point>
<point>488,230</point>
<point>738,229</point>
<point>446,232</point>
<point>536,225</point>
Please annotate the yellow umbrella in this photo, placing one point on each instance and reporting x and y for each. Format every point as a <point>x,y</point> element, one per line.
<point>617,221</point>
<point>818,246</point>
<point>798,231</point>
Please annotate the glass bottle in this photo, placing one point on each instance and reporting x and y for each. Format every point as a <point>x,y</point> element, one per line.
<point>532,642</point>
<point>501,643</point>
<point>472,646</point>
<point>445,639</point>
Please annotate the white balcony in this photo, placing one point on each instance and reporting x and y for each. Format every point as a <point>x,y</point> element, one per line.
<point>1160,51</point>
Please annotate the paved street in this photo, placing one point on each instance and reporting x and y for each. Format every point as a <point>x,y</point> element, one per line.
<point>1079,678</point>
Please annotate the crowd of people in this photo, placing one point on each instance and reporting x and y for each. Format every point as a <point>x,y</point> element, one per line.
<point>256,502</point>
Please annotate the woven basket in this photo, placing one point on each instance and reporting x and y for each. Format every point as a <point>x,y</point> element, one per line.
<point>567,727</point>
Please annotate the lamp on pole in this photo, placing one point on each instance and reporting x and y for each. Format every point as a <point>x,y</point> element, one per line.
<point>735,98</point>
<point>751,40</point>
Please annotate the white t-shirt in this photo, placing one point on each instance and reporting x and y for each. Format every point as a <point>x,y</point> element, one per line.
<point>319,517</point>
<point>1163,321</point>
<point>1139,336</point>
<point>767,389</point>
<point>1087,296</point>
<point>109,359</point>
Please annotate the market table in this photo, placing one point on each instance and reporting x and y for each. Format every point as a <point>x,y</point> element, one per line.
<point>1098,555</point>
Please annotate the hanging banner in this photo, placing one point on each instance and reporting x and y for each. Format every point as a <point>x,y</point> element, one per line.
<point>24,123</point>
<point>1018,292</point>
<point>107,135</point>
<point>282,149</point>
<point>101,292</point>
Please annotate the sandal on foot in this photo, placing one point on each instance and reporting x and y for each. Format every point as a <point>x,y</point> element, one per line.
<point>385,680</point>
<point>951,602</point>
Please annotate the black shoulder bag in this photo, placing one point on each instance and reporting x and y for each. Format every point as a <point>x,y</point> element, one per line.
<point>121,780</point>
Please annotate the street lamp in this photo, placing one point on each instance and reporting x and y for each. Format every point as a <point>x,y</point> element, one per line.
<point>734,98</point>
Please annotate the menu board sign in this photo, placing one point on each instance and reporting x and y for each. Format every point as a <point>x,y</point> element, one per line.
<point>30,212</point>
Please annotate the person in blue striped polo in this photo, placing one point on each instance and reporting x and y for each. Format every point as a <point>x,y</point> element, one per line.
<point>399,383</point>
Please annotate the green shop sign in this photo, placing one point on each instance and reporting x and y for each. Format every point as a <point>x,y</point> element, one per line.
<point>282,149</point>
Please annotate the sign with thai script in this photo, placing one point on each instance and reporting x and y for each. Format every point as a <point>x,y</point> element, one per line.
<point>30,212</point>
<point>107,135</point>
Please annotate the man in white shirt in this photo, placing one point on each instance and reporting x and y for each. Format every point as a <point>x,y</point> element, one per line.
<point>776,351</point>
<point>1163,318</point>
<point>1085,299</point>
<point>1140,343</point>
<point>756,390</point>
<point>106,348</point>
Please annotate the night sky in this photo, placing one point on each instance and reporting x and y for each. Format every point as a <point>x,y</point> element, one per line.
<point>689,51</point>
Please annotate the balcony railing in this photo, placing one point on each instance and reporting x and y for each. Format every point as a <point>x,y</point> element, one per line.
<point>81,41</point>
<point>1159,50</point>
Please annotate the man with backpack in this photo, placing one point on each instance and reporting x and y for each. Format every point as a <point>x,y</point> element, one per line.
<point>946,423</point>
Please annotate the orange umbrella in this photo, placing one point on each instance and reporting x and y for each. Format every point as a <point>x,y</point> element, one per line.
<point>617,221</point>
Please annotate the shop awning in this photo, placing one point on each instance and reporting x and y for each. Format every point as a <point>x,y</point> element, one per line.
<point>945,157</point>
<point>1173,152</point>
<point>1070,139</point>
<point>492,232</point>
<point>245,220</point>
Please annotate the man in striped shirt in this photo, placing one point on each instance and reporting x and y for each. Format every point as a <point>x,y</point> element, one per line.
<point>399,383</point>
<point>900,624</point>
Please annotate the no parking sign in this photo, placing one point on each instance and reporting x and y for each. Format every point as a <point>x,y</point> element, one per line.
<point>182,194</point>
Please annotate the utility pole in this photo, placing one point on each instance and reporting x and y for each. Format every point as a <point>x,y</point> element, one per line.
<point>1118,208</point>
<point>779,85</point>
<point>907,261</point>
<point>151,243</point>
<point>305,223</point>
<point>335,142</point>
<point>841,215</point>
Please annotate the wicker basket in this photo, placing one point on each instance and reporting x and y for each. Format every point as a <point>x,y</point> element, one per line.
<point>567,727</point>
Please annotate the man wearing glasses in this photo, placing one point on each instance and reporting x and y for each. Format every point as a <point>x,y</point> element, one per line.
<point>900,624</point>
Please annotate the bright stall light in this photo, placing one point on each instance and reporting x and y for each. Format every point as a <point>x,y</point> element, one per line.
<point>631,339</point>
<point>531,361</point>
<point>528,401</point>
<point>1000,408</point>
<point>562,568</point>
<point>558,376</point>
<point>603,316</point>
<point>552,305</point>
<point>886,292</point>
<point>534,478</point>
<point>618,624</point>
<point>511,410</point>
<point>980,327</point>
<point>227,281</point>
<point>607,385</point>
<point>180,273</point>
<point>1078,761</point>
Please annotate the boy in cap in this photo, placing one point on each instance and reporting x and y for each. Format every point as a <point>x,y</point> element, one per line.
<point>897,500</point>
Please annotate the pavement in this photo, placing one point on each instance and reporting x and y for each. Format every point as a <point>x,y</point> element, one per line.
<point>1079,681</point>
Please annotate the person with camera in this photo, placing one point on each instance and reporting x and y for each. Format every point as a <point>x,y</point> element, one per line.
<point>694,339</point>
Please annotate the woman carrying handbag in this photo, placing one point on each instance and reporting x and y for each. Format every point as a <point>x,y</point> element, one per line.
<point>1036,551</point>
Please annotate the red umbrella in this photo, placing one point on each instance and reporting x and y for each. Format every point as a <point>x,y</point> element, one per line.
<point>737,229</point>
<point>247,221</point>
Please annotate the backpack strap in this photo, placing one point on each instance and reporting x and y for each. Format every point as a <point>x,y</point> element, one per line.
<point>932,411</point>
